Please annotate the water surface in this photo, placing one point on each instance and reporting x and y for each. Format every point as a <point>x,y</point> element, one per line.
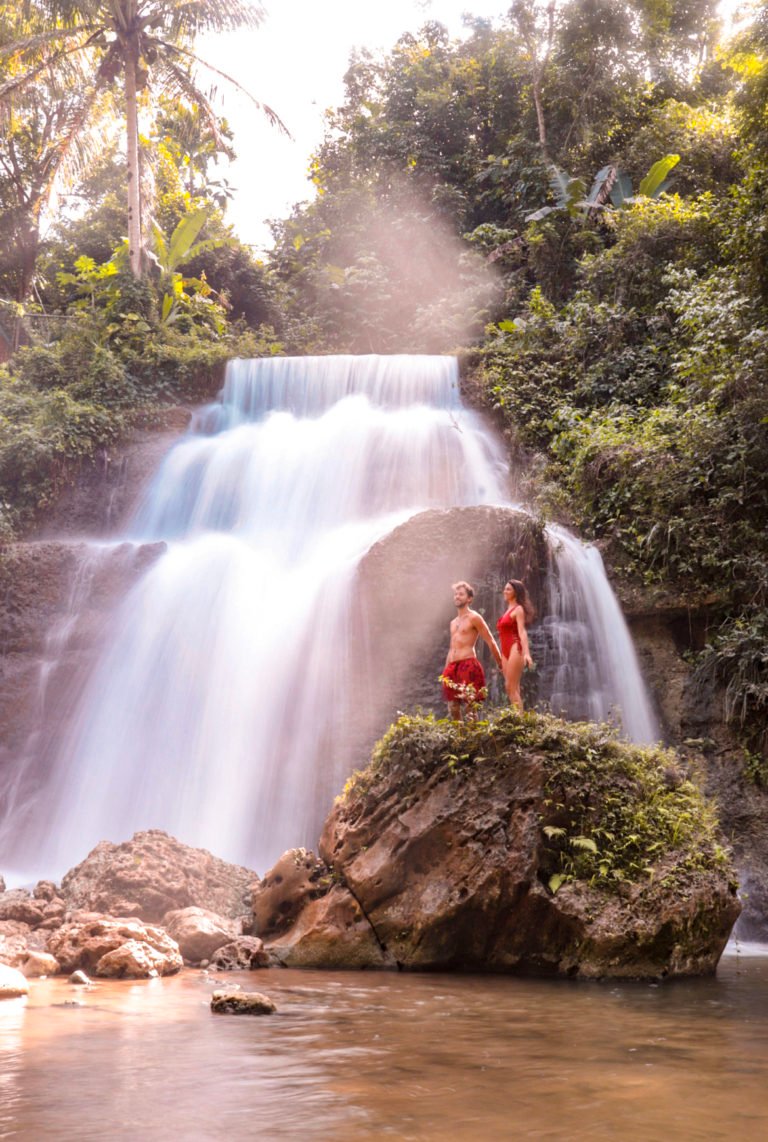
<point>384,1055</point>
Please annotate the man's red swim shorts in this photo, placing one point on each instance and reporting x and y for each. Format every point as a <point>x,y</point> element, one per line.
<point>464,681</point>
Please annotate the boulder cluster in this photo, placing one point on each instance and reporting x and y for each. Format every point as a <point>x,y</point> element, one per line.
<point>134,910</point>
<point>478,847</point>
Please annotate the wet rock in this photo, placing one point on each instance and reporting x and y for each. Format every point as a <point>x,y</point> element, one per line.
<point>14,942</point>
<point>19,904</point>
<point>84,945</point>
<point>298,877</point>
<point>12,982</point>
<point>330,932</point>
<point>54,914</point>
<point>38,964</point>
<point>136,959</point>
<point>246,953</point>
<point>106,486</point>
<point>79,979</point>
<point>447,862</point>
<point>153,874</point>
<point>198,932</point>
<point>242,1003</point>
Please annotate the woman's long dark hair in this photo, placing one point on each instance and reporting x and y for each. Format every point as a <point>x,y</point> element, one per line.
<point>523,598</point>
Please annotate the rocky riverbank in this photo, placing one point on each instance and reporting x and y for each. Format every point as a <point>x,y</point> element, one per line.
<point>523,844</point>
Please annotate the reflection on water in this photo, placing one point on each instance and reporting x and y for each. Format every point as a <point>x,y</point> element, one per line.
<point>360,1055</point>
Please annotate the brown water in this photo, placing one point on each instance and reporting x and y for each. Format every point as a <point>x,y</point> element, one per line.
<point>371,1056</point>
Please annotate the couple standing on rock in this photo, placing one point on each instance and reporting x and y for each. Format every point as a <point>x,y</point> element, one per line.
<point>463,677</point>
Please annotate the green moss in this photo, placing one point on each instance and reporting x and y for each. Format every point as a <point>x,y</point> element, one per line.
<point>612,814</point>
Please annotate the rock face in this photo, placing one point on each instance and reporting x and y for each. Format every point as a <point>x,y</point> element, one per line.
<point>667,634</point>
<point>106,488</point>
<point>464,848</point>
<point>114,948</point>
<point>297,878</point>
<point>153,874</point>
<point>409,574</point>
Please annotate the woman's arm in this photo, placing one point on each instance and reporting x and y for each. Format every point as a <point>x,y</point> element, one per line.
<point>519,615</point>
<point>481,627</point>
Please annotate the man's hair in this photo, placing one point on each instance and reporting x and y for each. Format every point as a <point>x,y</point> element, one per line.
<point>462,583</point>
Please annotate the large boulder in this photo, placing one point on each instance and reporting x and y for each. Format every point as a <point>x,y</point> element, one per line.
<point>246,953</point>
<point>198,932</point>
<point>88,945</point>
<point>153,874</point>
<point>527,845</point>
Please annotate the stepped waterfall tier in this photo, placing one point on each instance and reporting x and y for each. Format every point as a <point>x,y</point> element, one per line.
<point>221,704</point>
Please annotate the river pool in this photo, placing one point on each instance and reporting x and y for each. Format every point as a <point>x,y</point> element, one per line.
<point>385,1055</point>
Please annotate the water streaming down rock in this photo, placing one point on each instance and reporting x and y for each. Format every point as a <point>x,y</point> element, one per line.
<point>218,709</point>
<point>591,662</point>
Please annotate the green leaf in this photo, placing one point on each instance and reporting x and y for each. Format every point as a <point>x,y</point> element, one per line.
<point>652,183</point>
<point>555,882</point>
<point>184,236</point>
<point>585,843</point>
<point>167,307</point>
<point>553,831</point>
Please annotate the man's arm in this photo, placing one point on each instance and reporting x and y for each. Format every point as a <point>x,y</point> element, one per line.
<point>482,629</point>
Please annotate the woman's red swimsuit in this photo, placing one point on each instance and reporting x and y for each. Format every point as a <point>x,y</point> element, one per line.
<point>508,634</point>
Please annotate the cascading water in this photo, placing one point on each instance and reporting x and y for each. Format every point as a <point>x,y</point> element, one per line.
<point>214,711</point>
<point>594,674</point>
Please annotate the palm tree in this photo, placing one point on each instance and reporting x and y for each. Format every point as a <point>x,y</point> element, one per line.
<point>145,44</point>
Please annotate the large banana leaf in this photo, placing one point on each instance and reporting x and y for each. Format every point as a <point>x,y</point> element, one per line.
<point>655,181</point>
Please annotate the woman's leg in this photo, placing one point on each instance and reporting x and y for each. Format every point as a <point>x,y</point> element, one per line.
<point>513,672</point>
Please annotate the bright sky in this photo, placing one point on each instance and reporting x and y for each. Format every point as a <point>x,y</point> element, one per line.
<point>296,63</point>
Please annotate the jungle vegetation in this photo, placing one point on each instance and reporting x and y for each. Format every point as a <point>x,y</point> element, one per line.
<point>574,199</point>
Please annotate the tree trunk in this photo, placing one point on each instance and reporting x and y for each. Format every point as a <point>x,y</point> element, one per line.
<point>134,181</point>
<point>538,104</point>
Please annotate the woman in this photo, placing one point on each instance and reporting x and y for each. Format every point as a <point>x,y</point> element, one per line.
<point>515,653</point>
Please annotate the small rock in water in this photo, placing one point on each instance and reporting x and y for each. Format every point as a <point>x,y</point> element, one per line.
<point>242,1003</point>
<point>80,979</point>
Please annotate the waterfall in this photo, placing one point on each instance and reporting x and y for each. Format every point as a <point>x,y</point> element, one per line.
<point>216,708</point>
<point>594,673</point>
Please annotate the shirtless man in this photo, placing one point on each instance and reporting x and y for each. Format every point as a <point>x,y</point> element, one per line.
<point>463,678</point>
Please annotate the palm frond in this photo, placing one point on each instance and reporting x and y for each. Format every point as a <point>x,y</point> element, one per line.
<point>190,16</point>
<point>42,39</point>
<point>178,83</point>
<point>272,116</point>
<point>48,63</point>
